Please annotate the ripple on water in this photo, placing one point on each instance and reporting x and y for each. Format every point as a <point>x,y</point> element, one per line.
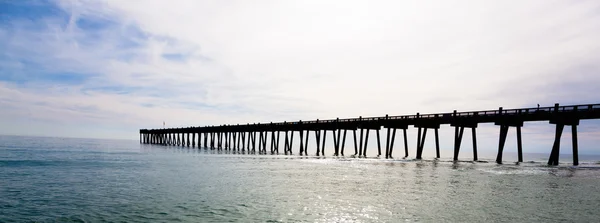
<point>128,183</point>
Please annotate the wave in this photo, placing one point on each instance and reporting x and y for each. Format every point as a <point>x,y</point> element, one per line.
<point>23,163</point>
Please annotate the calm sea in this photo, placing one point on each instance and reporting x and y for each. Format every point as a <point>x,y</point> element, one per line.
<point>89,180</point>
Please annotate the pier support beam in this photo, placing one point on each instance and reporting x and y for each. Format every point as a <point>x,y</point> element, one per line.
<point>560,123</point>
<point>287,143</point>
<point>355,145</point>
<point>212,140</point>
<point>391,139</point>
<point>239,142</point>
<point>343,142</point>
<point>378,144</point>
<point>519,145</point>
<point>188,139</point>
<point>227,136</point>
<point>324,139</point>
<point>575,152</point>
<point>277,143</point>
<point>235,141</point>
<point>421,139</point>
<point>337,133</point>
<point>459,128</point>
<point>193,139</point>
<point>262,148</point>
<point>248,141</point>
<point>501,142</point>
<point>260,142</point>
<point>264,145</point>
<point>291,142</point>
<point>405,144</point>
<point>243,137</point>
<point>318,140</point>
<point>387,143</point>
<point>301,133</point>
<point>437,144</point>
<point>421,142</point>
<point>366,142</point>
<point>253,134</point>
<point>182,139</point>
<point>306,143</point>
<point>336,143</point>
<point>556,147</point>
<point>458,134</point>
<point>474,143</point>
<point>272,143</point>
<point>390,147</point>
<point>504,125</point>
<point>219,137</point>
<point>360,146</point>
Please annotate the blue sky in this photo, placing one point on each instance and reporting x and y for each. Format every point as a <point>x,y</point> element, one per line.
<point>107,68</point>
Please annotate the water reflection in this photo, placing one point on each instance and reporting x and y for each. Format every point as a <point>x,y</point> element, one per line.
<point>332,189</point>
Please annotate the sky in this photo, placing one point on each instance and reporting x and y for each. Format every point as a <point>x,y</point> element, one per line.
<point>105,69</point>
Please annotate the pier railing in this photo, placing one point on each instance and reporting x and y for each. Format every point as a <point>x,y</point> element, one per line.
<point>488,113</point>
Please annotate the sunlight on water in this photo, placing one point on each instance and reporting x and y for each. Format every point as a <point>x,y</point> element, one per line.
<point>48,180</point>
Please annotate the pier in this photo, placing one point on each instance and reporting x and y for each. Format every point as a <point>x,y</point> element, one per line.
<point>258,137</point>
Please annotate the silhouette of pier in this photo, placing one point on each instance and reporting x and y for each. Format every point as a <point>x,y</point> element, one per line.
<point>243,137</point>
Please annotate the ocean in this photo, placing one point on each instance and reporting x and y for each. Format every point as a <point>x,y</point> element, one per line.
<point>92,180</point>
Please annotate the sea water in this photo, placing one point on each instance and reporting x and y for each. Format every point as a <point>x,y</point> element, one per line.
<point>92,180</point>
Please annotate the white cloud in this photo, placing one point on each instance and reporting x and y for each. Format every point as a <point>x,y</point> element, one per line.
<point>242,61</point>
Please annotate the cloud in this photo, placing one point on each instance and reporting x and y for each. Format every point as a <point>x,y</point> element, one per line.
<point>211,62</point>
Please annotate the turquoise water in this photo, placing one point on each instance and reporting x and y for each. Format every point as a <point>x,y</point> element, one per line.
<point>87,180</point>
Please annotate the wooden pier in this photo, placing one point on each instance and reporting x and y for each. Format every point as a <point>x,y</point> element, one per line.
<point>243,137</point>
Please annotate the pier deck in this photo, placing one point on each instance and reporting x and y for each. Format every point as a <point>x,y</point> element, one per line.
<point>243,137</point>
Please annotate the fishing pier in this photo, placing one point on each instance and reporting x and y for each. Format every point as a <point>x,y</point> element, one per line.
<point>243,137</point>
